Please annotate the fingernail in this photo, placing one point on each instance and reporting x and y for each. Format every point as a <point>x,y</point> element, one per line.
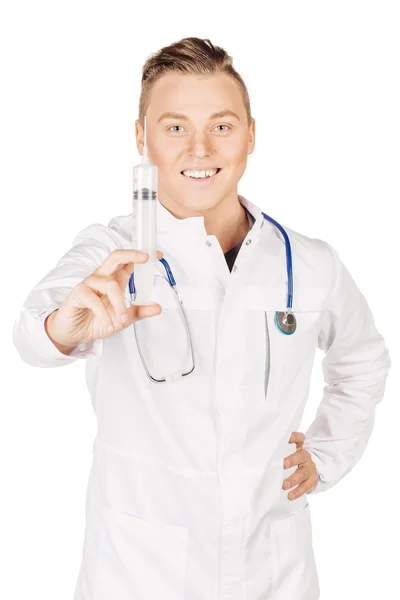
<point>286,463</point>
<point>286,484</point>
<point>110,328</point>
<point>123,318</point>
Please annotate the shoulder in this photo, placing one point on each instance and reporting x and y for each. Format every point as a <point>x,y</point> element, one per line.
<point>313,256</point>
<point>316,247</point>
<point>115,235</point>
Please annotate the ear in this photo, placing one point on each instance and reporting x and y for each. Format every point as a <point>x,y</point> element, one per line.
<point>252,136</point>
<point>139,132</point>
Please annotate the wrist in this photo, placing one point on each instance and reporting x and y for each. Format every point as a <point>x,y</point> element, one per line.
<point>63,348</point>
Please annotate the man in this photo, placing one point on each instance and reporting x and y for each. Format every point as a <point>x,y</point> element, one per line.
<point>186,497</point>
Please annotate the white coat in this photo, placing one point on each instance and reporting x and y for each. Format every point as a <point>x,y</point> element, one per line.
<point>185,498</point>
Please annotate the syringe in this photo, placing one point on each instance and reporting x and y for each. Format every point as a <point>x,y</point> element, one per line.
<point>144,224</point>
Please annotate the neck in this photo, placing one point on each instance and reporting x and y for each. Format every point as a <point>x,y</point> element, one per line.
<point>227,220</point>
<point>229,224</point>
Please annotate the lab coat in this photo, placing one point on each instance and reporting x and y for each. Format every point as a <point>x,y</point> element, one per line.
<point>184,498</point>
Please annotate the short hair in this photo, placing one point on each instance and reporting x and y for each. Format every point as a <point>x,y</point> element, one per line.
<point>189,55</point>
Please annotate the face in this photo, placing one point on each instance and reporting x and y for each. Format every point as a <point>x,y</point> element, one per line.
<point>192,136</point>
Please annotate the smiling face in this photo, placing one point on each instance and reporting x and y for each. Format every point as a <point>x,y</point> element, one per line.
<point>197,122</point>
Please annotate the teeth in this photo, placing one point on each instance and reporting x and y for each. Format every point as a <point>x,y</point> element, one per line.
<point>200,174</point>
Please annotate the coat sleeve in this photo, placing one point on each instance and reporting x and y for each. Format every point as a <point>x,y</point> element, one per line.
<point>89,250</point>
<point>355,368</point>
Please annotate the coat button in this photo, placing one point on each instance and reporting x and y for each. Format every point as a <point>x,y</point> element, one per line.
<point>248,242</point>
<point>208,243</point>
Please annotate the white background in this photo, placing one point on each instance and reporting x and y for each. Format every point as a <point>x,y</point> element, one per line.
<point>323,79</point>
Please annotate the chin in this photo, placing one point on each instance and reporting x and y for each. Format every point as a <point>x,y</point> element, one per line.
<point>200,205</point>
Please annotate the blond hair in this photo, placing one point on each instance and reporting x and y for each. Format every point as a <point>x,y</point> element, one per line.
<point>189,55</point>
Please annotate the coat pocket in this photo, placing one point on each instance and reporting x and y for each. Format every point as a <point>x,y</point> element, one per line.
<point>289,358</point>
<point>140,559</point>
<point>294,567</point>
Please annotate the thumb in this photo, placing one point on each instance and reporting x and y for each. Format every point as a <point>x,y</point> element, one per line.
<point>141,311</point>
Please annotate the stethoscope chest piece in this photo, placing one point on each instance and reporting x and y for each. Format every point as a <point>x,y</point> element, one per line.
<point>286,322</point>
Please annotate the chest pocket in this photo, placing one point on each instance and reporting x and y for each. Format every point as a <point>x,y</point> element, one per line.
<point>289,358</point>
<point>276,363</point>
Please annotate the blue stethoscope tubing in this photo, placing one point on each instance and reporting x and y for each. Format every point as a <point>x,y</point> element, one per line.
<point>284,320</point>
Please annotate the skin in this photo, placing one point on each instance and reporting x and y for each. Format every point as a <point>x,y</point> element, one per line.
<point>175,144</point>
<point>305,478</point>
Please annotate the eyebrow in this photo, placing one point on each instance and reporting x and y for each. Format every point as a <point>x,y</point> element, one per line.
<point>217,115</point>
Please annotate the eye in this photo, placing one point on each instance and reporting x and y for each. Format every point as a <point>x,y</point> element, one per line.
<point>228,127</point>
<point>225,126</point>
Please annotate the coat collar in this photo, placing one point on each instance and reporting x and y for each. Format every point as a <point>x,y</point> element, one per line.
<point>178,232</point>
<point>195,255</point>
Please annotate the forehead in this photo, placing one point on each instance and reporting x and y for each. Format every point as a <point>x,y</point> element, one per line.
<point>195,94</point>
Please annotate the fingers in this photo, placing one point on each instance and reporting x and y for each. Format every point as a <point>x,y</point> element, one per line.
<point>88,297</point>
<point>107,280</point>
<point>120,258</point>
<point>300,475</point>
<point>109,287</point>
<point>305,480</point>
<point>305,477</point>
<point>86,293</point>
<point>129,268</point>
<point>297,458</point>
<point>297,437</point>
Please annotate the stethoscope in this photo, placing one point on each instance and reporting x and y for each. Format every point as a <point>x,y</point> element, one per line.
<point>285,320</point>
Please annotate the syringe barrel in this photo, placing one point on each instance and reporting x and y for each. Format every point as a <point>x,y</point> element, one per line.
<point>144,213</point>
<point>144,228</point>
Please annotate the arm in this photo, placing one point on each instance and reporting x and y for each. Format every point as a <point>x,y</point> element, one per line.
<point>355,367</point>
<point>35,347</point>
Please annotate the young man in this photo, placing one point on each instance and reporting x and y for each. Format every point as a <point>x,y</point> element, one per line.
<point>186,497</point>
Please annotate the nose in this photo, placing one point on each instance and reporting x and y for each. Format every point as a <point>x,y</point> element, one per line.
<point>200,144</point>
